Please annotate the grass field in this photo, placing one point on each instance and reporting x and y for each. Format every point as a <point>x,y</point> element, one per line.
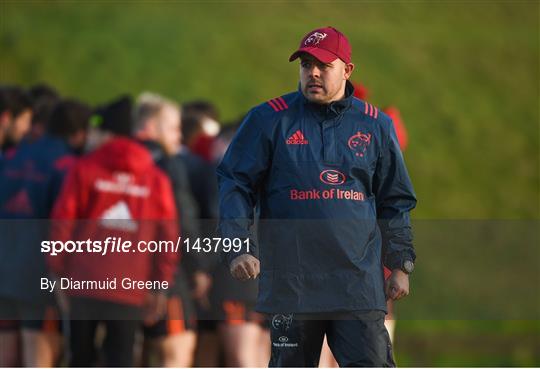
<point>465,76</point>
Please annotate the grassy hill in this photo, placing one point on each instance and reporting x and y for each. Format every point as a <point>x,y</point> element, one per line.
<point>464,75</point>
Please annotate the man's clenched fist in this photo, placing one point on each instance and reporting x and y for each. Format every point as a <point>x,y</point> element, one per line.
<point>245,267</point>
<point>397,285</point>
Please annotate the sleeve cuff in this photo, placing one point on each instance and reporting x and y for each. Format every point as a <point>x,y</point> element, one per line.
<point>395,260</point>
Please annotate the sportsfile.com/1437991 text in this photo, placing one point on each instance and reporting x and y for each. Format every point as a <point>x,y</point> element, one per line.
<point>119,245</point>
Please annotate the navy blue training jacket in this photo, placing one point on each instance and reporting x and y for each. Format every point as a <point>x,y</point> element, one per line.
<point>333,196</point>
<point>29,185</point>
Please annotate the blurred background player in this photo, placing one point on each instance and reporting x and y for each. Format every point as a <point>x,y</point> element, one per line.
<point>196,157</point>
<point>15,119</point>
<point>244,332</point>
<point>29,185</point>
<point>231,333</point>
<point>157,126</point>
<point>199,129</point>
<point>120,192</point>
<point>44,98</point>
<point>199,136</point>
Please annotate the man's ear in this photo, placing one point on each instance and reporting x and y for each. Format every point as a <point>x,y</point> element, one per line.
<point>348,70</point>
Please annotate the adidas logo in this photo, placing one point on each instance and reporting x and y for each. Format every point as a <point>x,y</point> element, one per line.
<point>19,204</point>
<point>297,139</point>
<point>119,217</point>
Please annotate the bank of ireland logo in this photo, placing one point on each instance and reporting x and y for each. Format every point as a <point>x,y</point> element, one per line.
<point>315,38</point>
<point>332,177</point>
<point>282,321</point>
<point>359,142</point>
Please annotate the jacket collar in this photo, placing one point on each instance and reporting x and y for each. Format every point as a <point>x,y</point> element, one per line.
<point>333,109</point>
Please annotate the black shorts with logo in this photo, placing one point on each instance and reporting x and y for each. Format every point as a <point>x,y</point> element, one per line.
<point>357,339</point>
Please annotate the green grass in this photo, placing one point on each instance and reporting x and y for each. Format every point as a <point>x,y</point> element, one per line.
<point>466,343</point>
<point>465,76</point>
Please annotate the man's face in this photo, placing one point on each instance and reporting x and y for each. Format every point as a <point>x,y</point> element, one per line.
<point>19,127</point>
<point>169,134</point>
<point>323,83</point>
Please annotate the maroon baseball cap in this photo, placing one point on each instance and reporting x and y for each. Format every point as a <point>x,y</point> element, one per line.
<point>326,44</point>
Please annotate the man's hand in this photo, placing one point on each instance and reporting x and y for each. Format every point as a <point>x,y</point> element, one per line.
<point>245,267</point>
<point>397,285</point>
<point>155,307</point>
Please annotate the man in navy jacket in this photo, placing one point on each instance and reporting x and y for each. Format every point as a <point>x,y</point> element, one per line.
<point>325,175</point>
<point>29,185</point>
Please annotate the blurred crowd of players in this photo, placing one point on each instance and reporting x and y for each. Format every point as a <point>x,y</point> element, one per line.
<point>153,159</point>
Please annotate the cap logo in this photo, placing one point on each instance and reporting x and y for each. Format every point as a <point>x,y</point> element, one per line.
<point>315,38</point>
